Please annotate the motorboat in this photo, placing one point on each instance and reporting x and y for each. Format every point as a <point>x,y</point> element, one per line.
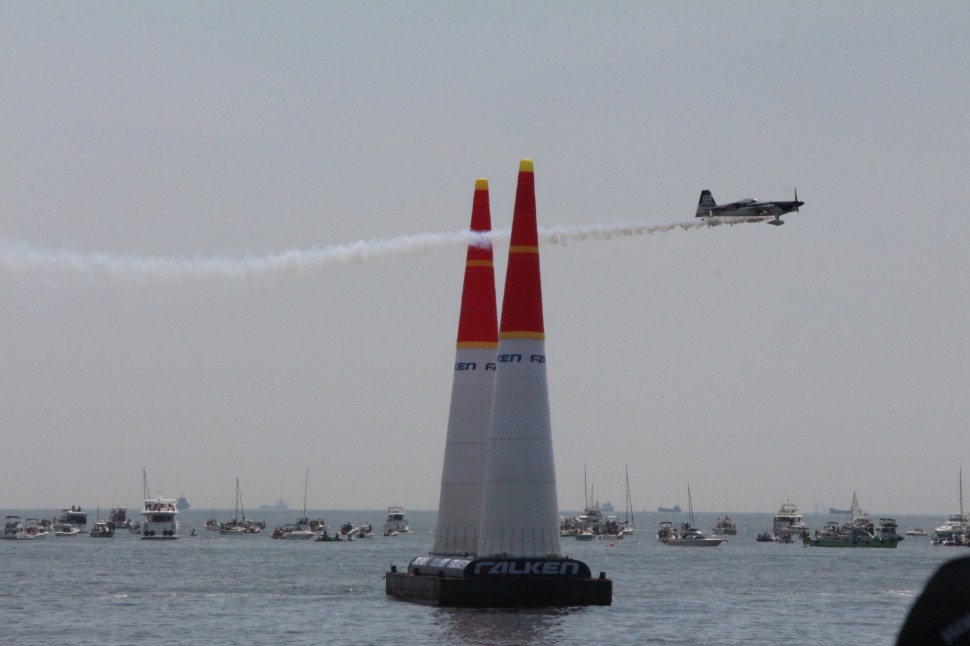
<point>886,529</point>
<point>591,519</point>
<point>787,520</point>
<point>102,529</point>
<point>15,530</point>
<point>118,518</point>
<point>919,531</point>
<point>666,531</point>
<point>159,519</point>
<point>953,531</point>
<point>324,536</point>
<point>687,535</point>
<point>585,535</point>
<point>956,530</point>
<point>766,537</point>
<point>348,531</point>
<point>396,522</point>
<point>612,529</point>
<point>847,535</point>
<point>159,516</point>
<point>293,531</point>
<point>724,525</point>
<point>71,522</point>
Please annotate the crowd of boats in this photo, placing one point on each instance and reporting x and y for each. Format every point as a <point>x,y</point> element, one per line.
<point>159,520</point>
<point>788,526</point>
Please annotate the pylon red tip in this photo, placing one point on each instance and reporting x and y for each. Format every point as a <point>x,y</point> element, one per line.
<point>522,302</point>
<point>478,321</point>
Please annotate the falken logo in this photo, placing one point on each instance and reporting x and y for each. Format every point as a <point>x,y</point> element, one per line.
<point>527,568</point>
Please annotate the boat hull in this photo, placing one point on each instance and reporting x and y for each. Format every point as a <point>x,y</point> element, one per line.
<point>695,542</point>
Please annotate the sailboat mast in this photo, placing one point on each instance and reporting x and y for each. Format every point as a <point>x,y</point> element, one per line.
<point>239,493</point>
<point>690,506</point>
<point>629,501</point>
<point>961,492</point>
<point>306,484</point>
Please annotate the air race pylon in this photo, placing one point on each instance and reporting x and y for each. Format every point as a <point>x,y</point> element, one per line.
<point>518,561</point>
<point>463,474</point>
<point>520,515</point>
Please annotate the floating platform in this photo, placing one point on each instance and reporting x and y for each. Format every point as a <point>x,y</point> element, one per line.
<point>499,583</point>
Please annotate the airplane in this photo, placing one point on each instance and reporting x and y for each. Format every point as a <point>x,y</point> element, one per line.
<point>748,207</point>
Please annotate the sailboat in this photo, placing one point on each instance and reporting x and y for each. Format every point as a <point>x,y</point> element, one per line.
<point>303,528</point>
<point>628,525</point>
<point>589,524</point>
<point>687,535</point>
<point>240,524</point>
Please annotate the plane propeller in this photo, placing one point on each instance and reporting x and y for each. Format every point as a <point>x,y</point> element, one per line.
<point>796,199</point>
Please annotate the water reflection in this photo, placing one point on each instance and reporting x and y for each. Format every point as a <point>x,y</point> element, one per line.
<point>495,626</point>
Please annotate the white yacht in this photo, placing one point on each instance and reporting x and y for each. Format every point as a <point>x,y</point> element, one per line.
<point>788,521</point>
<point>397,521</point>
<point>160,519</point>
<point>956,530</point>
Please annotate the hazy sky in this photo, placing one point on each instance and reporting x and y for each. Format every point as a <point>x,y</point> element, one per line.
<point>758,363</point>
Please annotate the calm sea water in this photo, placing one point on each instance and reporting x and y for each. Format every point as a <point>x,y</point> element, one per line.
<point>252,589</point>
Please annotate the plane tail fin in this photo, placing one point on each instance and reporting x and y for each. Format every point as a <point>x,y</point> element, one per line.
<point>705,204</point>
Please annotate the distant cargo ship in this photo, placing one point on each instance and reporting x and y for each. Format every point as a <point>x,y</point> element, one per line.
<point>833,510</point>
<point>671,510</point>
<point>182,503</point>
<point>279,506</point>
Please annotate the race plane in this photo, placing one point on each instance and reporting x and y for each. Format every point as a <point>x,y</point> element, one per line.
<point>748,207</point>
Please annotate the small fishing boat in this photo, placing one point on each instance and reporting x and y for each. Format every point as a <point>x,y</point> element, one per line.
<point>118,518</point>
<point>585,535</point>
<point>724,525</point>
<point>102,529</point>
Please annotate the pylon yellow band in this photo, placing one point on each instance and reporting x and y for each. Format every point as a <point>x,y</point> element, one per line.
<point>538,336</point>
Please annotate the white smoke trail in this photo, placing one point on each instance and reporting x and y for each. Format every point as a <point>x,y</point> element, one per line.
<point>18,258</point>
